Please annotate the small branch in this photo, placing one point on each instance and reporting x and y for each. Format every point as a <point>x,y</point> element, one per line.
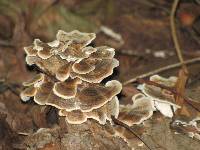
<point>109,32</point>
<point>129,53</point>
<point>6,43</point>
<point>173,91</point>
<point>194,35</point>
<point>118,122</point>
<point>13,90</point>
<point>11,87</point>
<point>142,81</point>
<point>172,66</point>
<point>174,35</point>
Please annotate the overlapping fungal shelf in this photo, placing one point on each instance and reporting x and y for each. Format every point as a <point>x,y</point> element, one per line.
<point>70,80</point>
<point>163,99</point>
<point>141,110</point>
<point>71,72</point>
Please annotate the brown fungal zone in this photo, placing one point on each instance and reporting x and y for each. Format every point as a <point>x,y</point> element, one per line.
<point>70,80</point>
<point>158,93</point>
<point>163,99</point>
<point>101,114</point>
<point>78,70</point>
<point>127,136</point>
<point>141,109</point>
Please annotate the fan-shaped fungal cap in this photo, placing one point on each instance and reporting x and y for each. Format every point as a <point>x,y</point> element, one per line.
<point>103,52</point>
<point>54,43</point>
<point>89,50</point>
<point>141,109</point>
<point>84,66</point>
<point>76,37</point>
<point>40,49</point>
<point>189,128</point>
<point>73,53</point>
<point>57,57</point>
<point>38,44</point>
<point>74,117</point>
<point>53,65</point>
<point>67,89</point>
<point>46,96</point>
<point>101,114</point>
<point>63,72</point>
<point>95,96</point>
<point>60,103</point>
<point>169,82</point>
<point>105,112</point>
<point>62,95</point>
<point>31,60</point>
<point>112,108</point>
<point>27,93</point>
<point>45,53</point>
<point>158,93</point>
<point>43,93</point>
<point>164,99</point>
<point>44,50</point>
<point>103,69</point>
<point>30,51</point>
<point>36,79</point>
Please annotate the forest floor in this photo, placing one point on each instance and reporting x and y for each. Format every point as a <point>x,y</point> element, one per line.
<point>142,39</point>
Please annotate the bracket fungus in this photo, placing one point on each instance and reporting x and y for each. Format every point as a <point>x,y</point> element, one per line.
<point>141,109</point>
<point>70,79</point>
<point>163,99</point>
<point>127,136</point>
<point>190,128</point>
<point>101,114</point>
<point>77,70</point>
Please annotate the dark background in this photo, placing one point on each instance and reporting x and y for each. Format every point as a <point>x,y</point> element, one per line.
<point>142,39</point>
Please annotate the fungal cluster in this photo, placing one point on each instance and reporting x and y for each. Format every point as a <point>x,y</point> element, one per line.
<point>163,99</point>
<point>141,110</point>
<point>70,77</point>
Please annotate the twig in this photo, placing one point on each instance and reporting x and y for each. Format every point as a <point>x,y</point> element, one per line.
<point>174,36</point>
<point>172,66</point>
<point>130,53</point>
<point>13,90</point>
<point>142,81</point>
<point>109,32</point>
<point>23,133</point>
<point>6,43</point>
<point>194,35</point>
<point>153,4</point>
<point>10,86</point>
<point>172,90</point>
<point>196,52</point>
<point>118,122</point>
